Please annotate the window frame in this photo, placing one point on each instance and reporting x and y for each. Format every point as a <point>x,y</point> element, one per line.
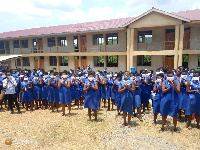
<point>18,62</point>
<point>51,41</point>
<point>16,42</point>
<point>97,37</point>
<point>111,64</point>
<point>111,35</point>
<point>98,63</point>
<point>143,61</point>
<point>142,35</point>
<point>61,61</point>
<point>25,63</point>
<point>24,43</point>
<point>54,62</point>
<point>60,39</point>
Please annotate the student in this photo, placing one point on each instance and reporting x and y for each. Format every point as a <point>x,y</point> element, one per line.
<point>37,90</point>
<point>137,97</point>
<point>109,93</point>
<point>145,80</point>
<point>81,88</point>
<point>193,89</point>
<point>169,100</point>
<point>91,98</point>
<point>45,89</point>
<point>117,94</point>
<point>158,94</point>
<point>64,92</point>
<point>50,90</point>
<point>27,96</point>
<point>126,88</point>
<point>56,90</point>
<point>103,88</point>
<point>183,96</point>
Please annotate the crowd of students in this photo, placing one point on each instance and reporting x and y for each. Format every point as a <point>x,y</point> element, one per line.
<point>176,92</point>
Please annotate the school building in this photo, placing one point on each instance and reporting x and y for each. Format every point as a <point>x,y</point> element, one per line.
<point>155,38</point>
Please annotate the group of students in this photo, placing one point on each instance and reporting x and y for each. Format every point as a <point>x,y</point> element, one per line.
<point>176,91</point>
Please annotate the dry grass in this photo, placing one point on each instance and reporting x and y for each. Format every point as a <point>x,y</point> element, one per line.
<point>52,131</point>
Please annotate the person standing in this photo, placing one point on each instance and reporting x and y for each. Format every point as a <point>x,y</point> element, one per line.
<point>9,84</point>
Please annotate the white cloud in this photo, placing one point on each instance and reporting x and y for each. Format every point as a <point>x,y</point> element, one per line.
<point>195,6</point>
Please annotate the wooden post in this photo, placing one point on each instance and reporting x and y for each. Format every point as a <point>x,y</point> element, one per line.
<point>176,46</point>
<point>79,43</point>
<point>104,38</point>
<point>128,48</point>
<point>181,45</point>
<point>38,61</point>
<point>20,45</point>
<point>79,62</point>
<point>58,64</point>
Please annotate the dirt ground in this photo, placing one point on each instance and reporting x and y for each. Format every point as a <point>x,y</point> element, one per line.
<point>49,131</point>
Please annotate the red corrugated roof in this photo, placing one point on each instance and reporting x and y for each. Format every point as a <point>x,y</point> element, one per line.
<point>193,15</point>
<point>89,26</point>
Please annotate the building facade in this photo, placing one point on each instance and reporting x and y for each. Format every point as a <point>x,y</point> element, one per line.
<point>149,41</point>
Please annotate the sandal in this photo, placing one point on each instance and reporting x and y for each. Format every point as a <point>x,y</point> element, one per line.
<point>162,129</point>
<point>129,126</point>
<point>123,125</point>
<point>63,114</point>
<point>189,128</point>
<point>176,130</point>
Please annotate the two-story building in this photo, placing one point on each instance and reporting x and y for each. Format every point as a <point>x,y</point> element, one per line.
<point>155,38</point>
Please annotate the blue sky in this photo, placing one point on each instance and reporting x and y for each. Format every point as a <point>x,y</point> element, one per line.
<point>23,14</point>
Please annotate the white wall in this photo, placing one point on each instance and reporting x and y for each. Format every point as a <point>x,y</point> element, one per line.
<point>195,38</point>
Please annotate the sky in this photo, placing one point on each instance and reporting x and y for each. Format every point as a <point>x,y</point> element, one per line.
<point>25,14</point>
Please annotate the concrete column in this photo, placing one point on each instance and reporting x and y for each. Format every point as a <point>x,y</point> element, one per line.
<point>181,45</point>
<point>79,62</point>
<point>58,64</point>
<point>104,38</point>
<point>132,47</point>
<point>20,45</point>
<point>128,49</point>
<point>21,59</point>
<point>176,46</point>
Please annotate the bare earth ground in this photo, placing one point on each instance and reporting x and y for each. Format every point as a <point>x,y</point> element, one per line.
<point>53,131</point>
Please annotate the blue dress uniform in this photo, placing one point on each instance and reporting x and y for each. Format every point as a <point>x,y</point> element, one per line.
<point>117,94</point>
<point>37,90</point>
<point>103,90</point>
<point>157,99</point>
<point>126,98</point>
<point>109,93</point>
<point>50,96</point>
<point>75,91</point>
<point>169,101</point>
<point>183,96</point>
<point>193,105</point>
<point>56,91</point>
<point>64,93</point>
<point>145,95</point>
<point>137,95</point>
<point>45,89</point>
<point>91,97</point>
<point>27,95</point>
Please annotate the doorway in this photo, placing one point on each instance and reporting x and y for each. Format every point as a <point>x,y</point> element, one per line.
<point>83,43</point>
<point>40,46</point>
<point>169,62</point>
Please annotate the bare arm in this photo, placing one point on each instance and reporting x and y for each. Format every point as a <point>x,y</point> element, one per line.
<point>132,89</point>
<point>188,89</point>
<point>155,89</point>
<point>165,90</point>
<point>113,87</point>
<point>120,90</point>
<point>177,88</point>
<point>95,87</point>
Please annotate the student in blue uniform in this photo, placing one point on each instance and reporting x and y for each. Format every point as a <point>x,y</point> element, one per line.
<point>126,88</point>
<point>50,90</point>
<point>109,93</point>
<point>91,98</point>
<point>37,90</point>
<point>183,96</point>
<point>169,100</point>
<point>27,96</point>
<point>81,88</point>
<point>64,92</point>
<point>56,90</point>
<point>145,95</point>
<point>117,94</point>
<point>158,95</point>
<point>75,93</point>
<point>103,88</point>
<point>45,89</point>
<point>193,89</point>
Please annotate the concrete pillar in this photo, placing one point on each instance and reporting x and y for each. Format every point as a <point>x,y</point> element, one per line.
<point>128,49</point>
<point>181,45</point>
<point>104,38</point>
<point>21,59</point>
<point>176,46</point>
<point>132,47</point>
<point>20,45</point>
<point>79,62</point>
<point>58,64</point>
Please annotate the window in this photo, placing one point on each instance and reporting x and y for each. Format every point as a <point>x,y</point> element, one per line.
<point>16,43</point>
<point>1,45</point>
<point>18,62</point>
<point>98,39</point>
<point>99,61</point>
<point>24,43</point>
<point>199,61</point>
<point>111,38</point>
<point>26,61</point>
<point>62,41</point>
<point>112,61</point>
<point>51,42</point>
<point>185,60</point>
<point>75,42</point>
<point>63,60</point>
<point>53,60</point>
<point>34,44</point>
<point>144,36</point>
<point>144,60</point>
